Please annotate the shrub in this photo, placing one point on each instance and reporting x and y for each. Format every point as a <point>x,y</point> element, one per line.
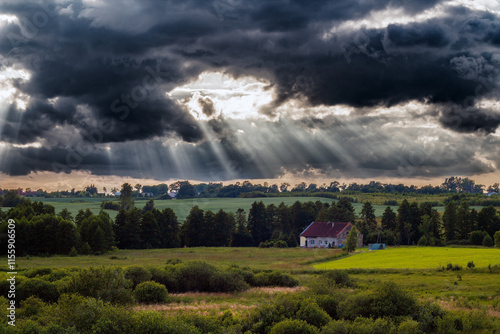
<point>409,327</point>
<point>110,205</point>
<point>200,276</point>
<point>452,267</point>
<point>39,288</point>
<point>137,275</point>
<point>77,311</point>
<point>73,252</point>
<point>31,306</point>
<point>174,261</point>
<point>205,324</point>
<point>227,282</point>
<point>274,278</point>
<point>313,314</point>
<point>339,278</point>
<point>488,241</point>
<point>287,307</point>
<point>38,272</point>
<point>470,265</point>
<point>329,303</point>
<point>108,284</point>
<point>151,292</point>
<point>154,322</point>
<point>164,277</point>
<point>423,241</point>
<point>336,327</point>
<point>280,244</point>
<point>476,237</point>
<point>497,239</point>
<point>114,320</point>
<point>293,327</point>
<point>386,300</point>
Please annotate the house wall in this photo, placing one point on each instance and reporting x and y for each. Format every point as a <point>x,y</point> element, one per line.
<point>302,242</point>
<point>319,242</point>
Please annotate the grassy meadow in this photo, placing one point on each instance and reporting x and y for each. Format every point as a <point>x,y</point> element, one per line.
<point>415,258</point>
<point>286,259</point>
<point>464,290</point>
<point>183,206</point>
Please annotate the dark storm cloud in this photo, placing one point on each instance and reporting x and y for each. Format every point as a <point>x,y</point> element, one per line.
<point>102,73</point>
<point>470,120</point>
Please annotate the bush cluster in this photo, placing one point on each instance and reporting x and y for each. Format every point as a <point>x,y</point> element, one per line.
<point>275,244</point>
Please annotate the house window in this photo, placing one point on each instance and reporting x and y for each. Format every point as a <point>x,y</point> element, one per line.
<point>312,242</point>
<point>320,242</point>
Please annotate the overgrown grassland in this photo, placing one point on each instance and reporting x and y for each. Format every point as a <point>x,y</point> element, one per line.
<point>257,258</point>
<point>416,258</point>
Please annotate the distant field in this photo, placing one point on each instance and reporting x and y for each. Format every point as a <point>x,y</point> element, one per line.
<point>182,207</point>
<point>416,258</point>
<point>256,258</point>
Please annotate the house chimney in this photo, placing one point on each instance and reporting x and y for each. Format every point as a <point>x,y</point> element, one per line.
<point>333,224</point>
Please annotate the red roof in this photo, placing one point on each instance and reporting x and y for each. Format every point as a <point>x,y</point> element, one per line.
<point>323,229</point>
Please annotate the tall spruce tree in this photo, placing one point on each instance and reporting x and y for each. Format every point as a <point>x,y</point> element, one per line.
<point>258,223</point>
<point>449,221</point>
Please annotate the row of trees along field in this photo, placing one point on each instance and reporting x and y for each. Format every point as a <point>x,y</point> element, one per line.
<point>41,231</point>
<point>184,189</point>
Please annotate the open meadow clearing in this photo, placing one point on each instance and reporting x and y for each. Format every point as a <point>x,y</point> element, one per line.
<point>287,259</point>
<point>415,258</point>
<point>182,207</point>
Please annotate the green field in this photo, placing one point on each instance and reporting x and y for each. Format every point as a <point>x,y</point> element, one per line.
<point>287,259</point>
<point>183,206</point>
<point>415,258</point>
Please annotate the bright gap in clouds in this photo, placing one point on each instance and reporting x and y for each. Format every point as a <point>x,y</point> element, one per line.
<point>240,98</point>
<point>8,93</point>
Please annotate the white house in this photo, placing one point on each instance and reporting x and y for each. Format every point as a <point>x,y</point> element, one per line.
<point>327,234</point>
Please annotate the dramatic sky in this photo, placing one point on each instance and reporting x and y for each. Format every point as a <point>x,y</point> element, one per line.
<point>217,90</point>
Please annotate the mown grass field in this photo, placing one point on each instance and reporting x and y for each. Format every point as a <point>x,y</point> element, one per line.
<point>415,258</point>
<point>287,259</point>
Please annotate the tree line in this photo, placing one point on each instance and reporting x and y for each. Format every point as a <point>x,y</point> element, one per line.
<point>184,189</point>
<point>40,231</point>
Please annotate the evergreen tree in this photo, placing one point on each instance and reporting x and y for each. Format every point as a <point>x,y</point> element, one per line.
<point>81,216</point>
<point>192,230</point>
<point>449,221</point>
<point>169,227</point>
<point>258,223</point>
<point>151,235</point>
<point>208,230</point>
<point>66,215</point>
<point>463,224</point>
<point>389,219</point>
<point>119,228</point>
<point>488,220</point>
<point>415,220</point>
<point>345,211</point>
<point>149,206</point>
<point>403,220</point>
<point>132,232</point>
<point>241,237</point>
<point>224,226</point>
<point>368,223</point>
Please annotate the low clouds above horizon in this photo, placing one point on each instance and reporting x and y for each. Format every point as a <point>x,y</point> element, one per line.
<point>232,89</point>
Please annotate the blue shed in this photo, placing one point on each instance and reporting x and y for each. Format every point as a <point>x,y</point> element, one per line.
<point>376,246</point>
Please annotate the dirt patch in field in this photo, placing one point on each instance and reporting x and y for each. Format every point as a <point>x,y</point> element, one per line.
<point>274,290</point>
<point>201,308</point>
<point>451,306</point>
